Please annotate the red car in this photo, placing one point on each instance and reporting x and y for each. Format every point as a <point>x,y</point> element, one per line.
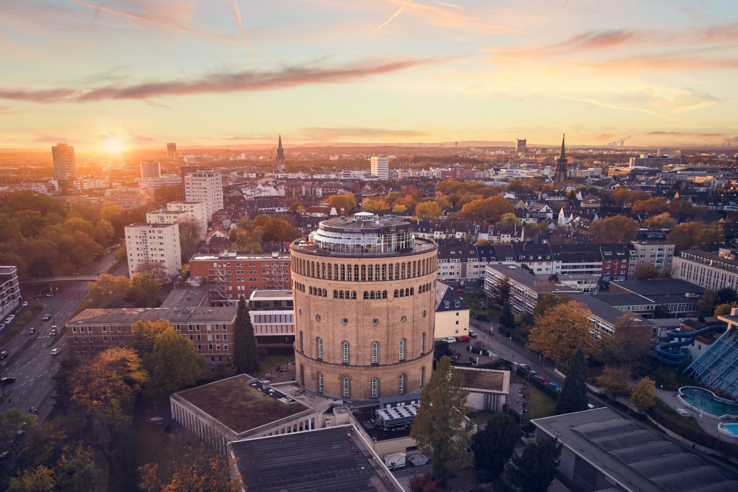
<point>544,380</point>
<point>463,339</point>
<point>459,291</point>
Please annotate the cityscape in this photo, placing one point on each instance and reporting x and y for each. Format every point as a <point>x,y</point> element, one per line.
<point>410,245</point>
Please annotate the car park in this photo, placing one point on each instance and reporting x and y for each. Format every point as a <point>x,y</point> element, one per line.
<point>465,338</point>
<point>4,354</point>
<point>7,380</point>
<point>55,351</point>
<point>555,386</point>
<point>472,334</point>
<point>451,340</point>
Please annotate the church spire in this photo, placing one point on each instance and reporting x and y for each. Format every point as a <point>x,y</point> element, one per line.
<point>563,152</point>
<point>280,141</point>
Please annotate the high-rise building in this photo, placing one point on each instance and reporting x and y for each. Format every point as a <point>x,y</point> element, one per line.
<point>179,212</point>
<point>9,290</point>
<point>280,156</point>
<point>560,175</point>
<point>171,151</point>
<point>364,292</point>
<point>205,185</point>
<point>150,169</point>
<point>155,242</point>
<point>380,167</point>
<point>65,166</point>
<point>522,146</point>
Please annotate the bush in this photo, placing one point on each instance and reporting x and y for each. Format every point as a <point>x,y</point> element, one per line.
<point>262,352</point>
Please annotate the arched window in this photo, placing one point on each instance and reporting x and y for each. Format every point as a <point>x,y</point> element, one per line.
<point>340,294</point>
<point>320,382</point>
<point>320,348</point>
<point>349,275</point>
<point>370,273</point>
<point>345,352</point>
<point>414,269</point>
<point>366,295</point>
<point>422,343</point>
<point>407,292</point>
<point>375,352</point>
<point>302,342</point>
<point>402,385</point>
<point>335,294</point>
<point>343,272</point>
<point>371,295</point>
<point>403,272</point>
<point>402,292</point>
<point>391,270</point>
<point>325,292</point>
<point>356,273</point>
<point>396,293</point>
<point>397,271</point>
<point>353,294</point>
<point>346,388</point>
<point>348,295</point>
<point>311,291</point>
<point>335,271</point>
<point>384,272</point>
<point>412,291</point>
<point>384,294</point>
<point>324,271</point>
<point>379,294</point>
<point>330,272</point>
<point>402,349</point>
<point>422,376</point>
<point>375,388</point>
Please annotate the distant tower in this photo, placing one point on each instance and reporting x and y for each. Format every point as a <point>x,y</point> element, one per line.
<point>280,156</point>
<point>522,146</point>
<point>65,165</point>
<point>456,144</point>
<point>561,167</point>
<point>172,151</point>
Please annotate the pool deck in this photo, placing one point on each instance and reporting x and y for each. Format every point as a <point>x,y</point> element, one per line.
<point>708,424</point>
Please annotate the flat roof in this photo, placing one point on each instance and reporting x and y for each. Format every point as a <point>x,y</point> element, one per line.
<point>486,379</point>
<point>639,460</point>
<point>185,297</point>
<point>278,295</point>
<point>524,277</point>
<point>659,287</point>
<point>240,256</point>
<point>325,460</point>
<point>140,225</point>
<point>126,316</point>
<point>238,405</point>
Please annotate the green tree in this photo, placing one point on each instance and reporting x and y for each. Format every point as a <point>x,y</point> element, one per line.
<point>573,397</point>
<point>507,320</point>
<point>549,301</point>
<point>662,312</point>
<point>643,394</point>
<point>76,471</point>
<point>144,290</point>
<point>439,428</point>
<point>39,480</point>
<point>105,288</point>
<point>535,470</point>
<point>144,334</point>
<point>494,446</point>
<point>706,305</point>
<point>509,218</point>
<point>103,232</point>
<point>173,364</point>
<point>726,295</point>
<point>245,355</point>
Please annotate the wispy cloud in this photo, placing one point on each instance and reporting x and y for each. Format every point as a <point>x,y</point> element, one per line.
<point>687,134</point>
<point>240,26</point>
<point>623,108</point>
<point>588,41</point>
<point>13,45</point>
<point>667,63</point>
<point>336,134</point>
<point>402,7</point>
<point>147,19</point>
<point>449,5</point>
<point>243,82</point>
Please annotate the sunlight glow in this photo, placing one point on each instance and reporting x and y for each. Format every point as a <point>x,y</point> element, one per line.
<point>114,145</point>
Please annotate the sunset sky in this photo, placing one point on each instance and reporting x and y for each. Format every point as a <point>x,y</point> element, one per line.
<point>217,72</point>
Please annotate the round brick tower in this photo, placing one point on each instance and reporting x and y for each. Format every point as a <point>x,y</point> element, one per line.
<point>364,290</point>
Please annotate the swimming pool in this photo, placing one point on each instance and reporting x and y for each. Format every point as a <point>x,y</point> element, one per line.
<point>706,402</point>
<point>728,429</point>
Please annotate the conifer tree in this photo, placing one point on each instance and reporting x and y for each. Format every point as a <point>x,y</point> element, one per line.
<point>573,397</point>
<point>535,470</point>
<point>245,355</point>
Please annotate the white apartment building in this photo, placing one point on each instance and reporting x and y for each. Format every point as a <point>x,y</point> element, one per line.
<point>380,166</point>
<point>709,270</point>
<point>656,252</point>
<point>173,215</point>
<point>150,169</point>
<point>272,315</point>
<point>196,210</point>
<point>65,166</point>
<point>157,242</point>
<point>94,182</point>
<point>9,290</point>
<point>205,185</point>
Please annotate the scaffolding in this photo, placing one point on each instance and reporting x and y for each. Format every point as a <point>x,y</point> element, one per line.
<point>718,366</point>
<point>219,281</point>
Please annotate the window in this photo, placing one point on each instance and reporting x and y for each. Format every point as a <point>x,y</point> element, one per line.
<point>402,349</point>
<point>366,295</point>
<point>302,342</point>
<point>345,352</point>
<point>375,388</point>
<point>396,294</point>
<point>422,343</point>
<point>402,385</point>
<point>320,382</point>
<point>320,348</point>
<point>335,294</point>
<point>375,352</point>
<point>346,388</point>
<point>422,377</point>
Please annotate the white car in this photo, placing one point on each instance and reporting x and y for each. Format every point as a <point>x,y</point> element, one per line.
<point>55,351</point>
<point>451,340</point>
<point>24,303</point>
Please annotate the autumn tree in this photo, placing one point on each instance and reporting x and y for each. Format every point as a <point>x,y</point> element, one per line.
<point>105,288</point>
<point>661,221</point>
<point>144,290</point>
<point>643,395</point>
<point>487,210</point>
<point>632,341</point>
<point>424,483</point>
<point>652,206</point>
<point>573,397</point>
<point>278,230</point>
<point>103,232</point>
<point>342,203</point>
<point>509,218</point>
<point>155,268</point>
<point>245,355</point>
<point>559,331</point>
<point>39,480</point>
<point>535,469</point>
<point>614,380</point>
<point>617,227</point>
<point>173,363</point>
<point>190,235</point>
<point>482,242</point>
<point>549,301</point>
<point>374,205</point>
<point>494,446</point>
<point>724,309</point>
<point>144,333</point>
<point>245,240</point>
<point>428,210</point>
<point>695,235</point>
<point>500,292</point>
<point>439,428</point>
<point>646,271</point>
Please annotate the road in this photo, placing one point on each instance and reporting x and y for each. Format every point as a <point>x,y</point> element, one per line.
<point>34,368</point>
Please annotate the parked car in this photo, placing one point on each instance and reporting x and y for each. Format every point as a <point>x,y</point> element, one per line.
<point>24,303</point>
<point>555,386</point>
<point>47,317</point>
<point>55,351</point>
<point>4,354</point>
<point>543,380</point>
<point>465,338</point>
<point>7,321</point>
<point>10,317</point>
<point>472,334</point>
<point>451,340</point>
<point>535,374</point>
<point>459,291</point>
<point>7,380</point>
<point>526,367</point>
<point>50,294</point>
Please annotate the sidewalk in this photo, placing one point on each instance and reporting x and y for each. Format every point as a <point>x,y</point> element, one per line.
<point>708,424</point>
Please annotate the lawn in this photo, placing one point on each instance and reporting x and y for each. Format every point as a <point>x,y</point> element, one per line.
<point>539,405</point>
<point>690,421</point>
<point>476,302</point>
<point>269,361</point>
<point>151,441</point>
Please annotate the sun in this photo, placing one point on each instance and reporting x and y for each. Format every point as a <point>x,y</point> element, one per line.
<point>114,145</point>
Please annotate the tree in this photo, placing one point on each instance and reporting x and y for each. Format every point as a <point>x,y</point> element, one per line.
<point>706,305</point>
<point>559,331</point>
<point>173,364</point>
<point>156,268</point>
<point>500,292</point>
<point>653,206</point>
<point>482,242</point>
<point>144,334</point>
<point>190,235</point>
<point>507,320</point>
<point>523,324</point>
<point>487,210</point>
<point>727,295</point>
<point>144,290</point>
<point>105,288</point>
<point>439,427</point>
<point>103,232</point>
<point>399,209</point>
<point>374,205</point>
<point>643,395</point>
<point>278,230</point>
<point>11,450</point>
<point>632,341</point>
<point>260,220</point>
<point>661,221</point>
<point>76,471</point>
<point>617,227</point>
<point>662,312</point>
<point>494,446</point>
<point>695,235</point>
<point>573,397</point>
<point>245,355</point>
<point>423,483</point>
<point>535,470</point>
<point>614,380</point>
<point>724,309</point>
<point>646,271</point>
<point>428,210</point>
<point>509,218</point>
<point>40,480</point>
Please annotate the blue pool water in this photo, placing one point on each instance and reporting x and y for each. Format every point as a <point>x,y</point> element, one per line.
<point>732,428</point>
<point>704,400</point>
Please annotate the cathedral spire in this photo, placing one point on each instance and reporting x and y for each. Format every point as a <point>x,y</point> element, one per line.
<point>280,141</point>
<point>563,152</point>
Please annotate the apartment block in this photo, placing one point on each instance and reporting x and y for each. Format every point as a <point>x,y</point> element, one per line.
<point>9,290</point>
<point>525,289</point>
<point>272,315</point>
<point>179,211</point>
<point>380,167</point>
<point>204,185</point>
<point>234,274</point>
<point>65,165</point>
<point>209,329</point>
<point>150,169</point>
<point>657,252</point>
<point>709,270</point>
<point>157,242</point>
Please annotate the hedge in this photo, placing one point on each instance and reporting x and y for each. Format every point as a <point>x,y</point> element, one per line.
<point>696,436</point>
<point>546,389</point>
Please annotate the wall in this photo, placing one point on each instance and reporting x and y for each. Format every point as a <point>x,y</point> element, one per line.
<point>446,324</point>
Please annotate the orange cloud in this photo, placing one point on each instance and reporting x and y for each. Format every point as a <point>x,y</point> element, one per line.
<point>667,62</point>
<point>333,134</point>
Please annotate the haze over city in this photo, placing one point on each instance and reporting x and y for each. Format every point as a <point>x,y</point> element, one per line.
<point>132,74</point>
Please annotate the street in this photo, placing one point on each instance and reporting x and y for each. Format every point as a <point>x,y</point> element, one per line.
<point>33,369</point>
